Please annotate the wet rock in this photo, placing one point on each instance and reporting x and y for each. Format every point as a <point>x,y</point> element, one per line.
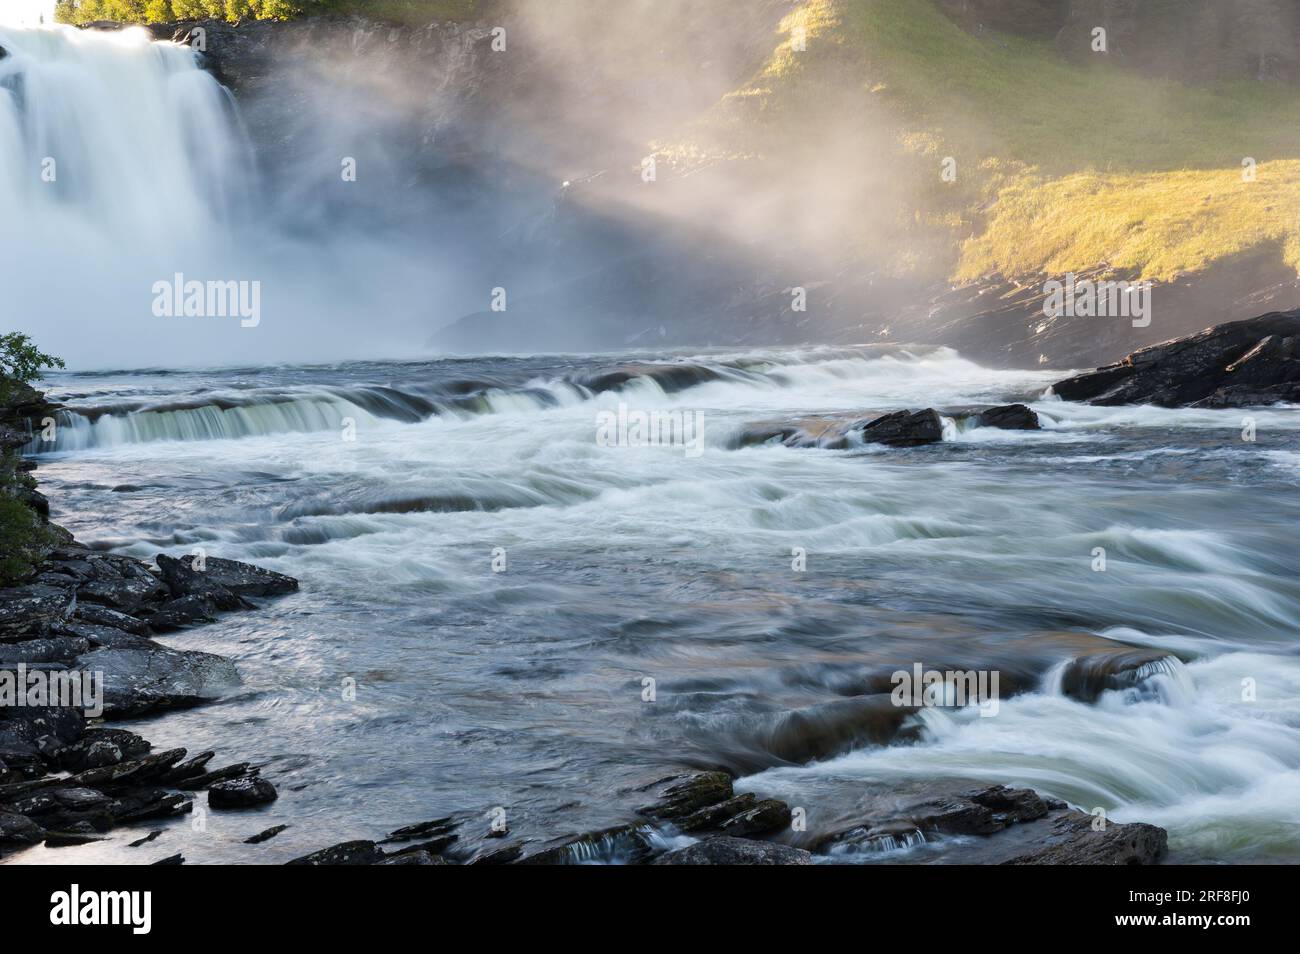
<point>109,777</point>
<point>346,853</point>
<point>266,835</point>
<point>439,826</point>
<point>146,839</point>
<point>28,609</point>
<point>904,429</point>
<point>1073,841</point>
<point>766,816</point>
<point>60,649</point>
<point>724,850</point>
<point>979,812</point>
<point>17,831</point>
<point>121,583</point>
<point>625,843</point>
<point>505,855</point>
<point>688,794</point>
<point>196,782</point>
<point>181,613</point>
<point>176,859</point>
<point>1239,364</point>
<point>103,746</point>
<point>1086,677</point>
<point>240,579</point>
<point>1009,417</point>
<point>189,769</point>
<point>242,793</point>
<point>413,858</point>
<point>713,816</point>
<point>102,636</point>
<point>139,680</point>
<point>98,615</point>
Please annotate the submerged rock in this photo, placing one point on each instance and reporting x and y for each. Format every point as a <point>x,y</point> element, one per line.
<point>1239,364</point>
<point>1086,677</point>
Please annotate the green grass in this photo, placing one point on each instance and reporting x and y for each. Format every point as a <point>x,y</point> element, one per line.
<point>1062,166</point>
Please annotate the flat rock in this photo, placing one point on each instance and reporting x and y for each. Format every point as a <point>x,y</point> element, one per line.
<point>1073,841</point>
<point>346,853</point>
<point>241,579</point>
<point>904,429</point>
<point>139,680</point>
<point>724,850</point>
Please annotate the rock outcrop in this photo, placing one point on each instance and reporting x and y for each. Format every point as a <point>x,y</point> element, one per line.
<point>1239,364</point>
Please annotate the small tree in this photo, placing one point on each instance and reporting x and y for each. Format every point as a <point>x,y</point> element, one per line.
<point>21,363</point>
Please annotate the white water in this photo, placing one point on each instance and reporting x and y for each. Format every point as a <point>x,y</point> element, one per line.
<point>122,164</point>
<point>975,551</point>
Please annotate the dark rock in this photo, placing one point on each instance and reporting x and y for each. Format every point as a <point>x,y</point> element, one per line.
<point>1239,364</point>
<point>267,835</point>
<point>57,649</point>
<point>505,855</point>
<point>1073,841</point>
<point>627,843</point>
<point>904,429</point>
<point>768,815</point>
<point>1009,417</point>
<point>146,839</point>
<point>189,769</point>
<point>712,816</point>
<point>413,858</point>
<point>242,793</point>
<point>346,853</point>
<point>108,777</point>
<point>17,830</point>
<point>1086,677</point>
<point>102,746</point>
<point>688,794</point>
<point>139,680</point>
<point>177,859</point>
<point>723,850</point>
<point>104,616</point>
<point>69,839</point>
<point>241,579</point>
<point>196,782</point>
<point>143,804</point>
<point>437,827</point>
<point>183,612</point>
<point>26,609</point>
<point>120,582</point>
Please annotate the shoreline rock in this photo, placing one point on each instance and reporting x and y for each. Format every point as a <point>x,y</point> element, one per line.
<point>93,615</point>
<point>1238,364</point>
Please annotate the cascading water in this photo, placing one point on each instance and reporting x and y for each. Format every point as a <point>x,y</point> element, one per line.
<point>109,138</point>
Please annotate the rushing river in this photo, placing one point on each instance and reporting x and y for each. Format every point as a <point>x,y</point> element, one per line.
<point>499,582</point>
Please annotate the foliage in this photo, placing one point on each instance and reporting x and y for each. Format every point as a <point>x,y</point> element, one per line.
<point>21,363</point>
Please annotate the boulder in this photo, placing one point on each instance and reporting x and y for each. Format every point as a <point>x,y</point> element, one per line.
<point>1239,364</point>
<point>724,850</point>
<point>1074,841</point>
<point>245,792</point>
<point>222,576</point>
<point>1009,417</point>
<point>904,429</point>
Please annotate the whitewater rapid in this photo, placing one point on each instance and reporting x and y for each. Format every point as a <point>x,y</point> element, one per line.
<point>388,488</point>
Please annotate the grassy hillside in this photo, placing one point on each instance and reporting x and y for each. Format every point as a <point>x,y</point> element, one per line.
<point>1061,166</point>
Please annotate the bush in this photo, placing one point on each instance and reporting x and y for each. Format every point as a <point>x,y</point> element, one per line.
<point>24,536</point>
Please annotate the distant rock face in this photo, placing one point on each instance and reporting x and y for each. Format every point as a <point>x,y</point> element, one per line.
<point>1239,364</point>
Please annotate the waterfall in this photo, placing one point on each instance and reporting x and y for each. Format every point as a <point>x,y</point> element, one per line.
<point>110,137</point>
